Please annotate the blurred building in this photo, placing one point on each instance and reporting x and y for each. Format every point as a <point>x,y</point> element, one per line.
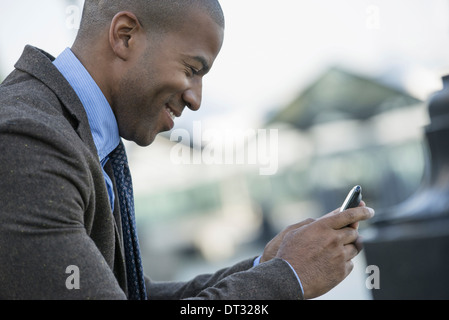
<point>356,130</point>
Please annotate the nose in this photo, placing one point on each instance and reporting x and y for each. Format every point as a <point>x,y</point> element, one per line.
<point>192,96</point>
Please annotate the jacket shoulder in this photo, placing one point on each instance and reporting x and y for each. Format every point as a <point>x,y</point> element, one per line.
<point>37,86</point>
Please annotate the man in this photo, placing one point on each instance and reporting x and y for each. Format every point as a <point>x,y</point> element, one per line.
<point>66,213</point>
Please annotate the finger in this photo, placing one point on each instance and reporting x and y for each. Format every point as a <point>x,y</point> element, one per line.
<point>356,224</point>
<point>361,204</point>
<point>359,243</point>
<point>348,235</point>
<point>336,211</point>
<point>351,251</point>
<point>331,213</point>
<point>349,266</point>
<point>348,217</point>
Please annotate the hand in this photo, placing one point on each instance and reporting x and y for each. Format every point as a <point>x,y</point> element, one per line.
<point>271,249</point>
<point>320,250</point>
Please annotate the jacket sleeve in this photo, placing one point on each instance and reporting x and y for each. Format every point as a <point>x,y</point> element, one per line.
<point>43,199</point>
<point>272,280</point>
<point>44,194</point>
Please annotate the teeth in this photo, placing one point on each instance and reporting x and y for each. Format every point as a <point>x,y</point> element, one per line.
<point>171,114</point>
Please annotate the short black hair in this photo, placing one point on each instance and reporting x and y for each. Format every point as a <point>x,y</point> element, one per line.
<point>153,15</point>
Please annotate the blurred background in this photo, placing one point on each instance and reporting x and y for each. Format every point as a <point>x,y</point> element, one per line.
<point>329,93</point>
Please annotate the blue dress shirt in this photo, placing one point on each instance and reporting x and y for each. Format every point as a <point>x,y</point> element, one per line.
<point>102,120</point>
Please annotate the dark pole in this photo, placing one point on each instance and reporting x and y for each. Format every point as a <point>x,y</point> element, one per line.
<point>409,243</point>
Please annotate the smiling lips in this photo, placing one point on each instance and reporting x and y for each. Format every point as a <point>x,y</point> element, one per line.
<point>172,114</point>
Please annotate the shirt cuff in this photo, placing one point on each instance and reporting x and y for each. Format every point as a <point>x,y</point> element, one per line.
<point>257,262</point>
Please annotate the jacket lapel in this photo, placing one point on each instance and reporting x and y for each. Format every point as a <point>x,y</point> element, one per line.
<point>39,64</point>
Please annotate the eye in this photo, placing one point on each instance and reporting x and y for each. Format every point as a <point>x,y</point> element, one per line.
<point>194,71</point>
<point>190,70</point>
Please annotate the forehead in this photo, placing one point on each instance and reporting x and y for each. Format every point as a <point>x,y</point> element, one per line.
<point>198,36</point>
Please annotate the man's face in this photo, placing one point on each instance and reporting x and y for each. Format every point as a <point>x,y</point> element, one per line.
<point>165,78</point>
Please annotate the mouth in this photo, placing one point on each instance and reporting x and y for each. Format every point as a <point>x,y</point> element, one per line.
<point>172,114</point>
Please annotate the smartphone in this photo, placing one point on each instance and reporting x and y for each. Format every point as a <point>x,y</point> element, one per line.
<point>353,199</point>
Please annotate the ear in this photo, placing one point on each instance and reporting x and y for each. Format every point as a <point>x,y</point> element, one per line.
<point>124,34</point>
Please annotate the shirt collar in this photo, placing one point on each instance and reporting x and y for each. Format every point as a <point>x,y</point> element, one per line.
<point>102,120</point>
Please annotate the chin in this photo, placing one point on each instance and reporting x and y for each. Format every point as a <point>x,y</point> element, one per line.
<point>145,142</point>
<point>142,140</point>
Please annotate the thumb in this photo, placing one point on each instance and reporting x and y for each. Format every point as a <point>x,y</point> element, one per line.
<point>349,217</point>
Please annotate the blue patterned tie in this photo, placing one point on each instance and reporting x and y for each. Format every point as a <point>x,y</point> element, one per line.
<point>134,269</point>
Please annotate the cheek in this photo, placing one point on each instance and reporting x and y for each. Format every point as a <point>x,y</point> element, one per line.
<point>128,106</point>
<point>140,102</point>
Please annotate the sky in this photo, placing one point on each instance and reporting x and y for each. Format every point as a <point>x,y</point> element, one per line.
<point>274,49</point>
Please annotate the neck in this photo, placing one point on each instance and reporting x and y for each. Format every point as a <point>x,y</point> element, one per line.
<point>96,62</point>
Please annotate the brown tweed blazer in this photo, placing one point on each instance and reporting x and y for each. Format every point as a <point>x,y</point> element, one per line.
<point>55,212</point>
